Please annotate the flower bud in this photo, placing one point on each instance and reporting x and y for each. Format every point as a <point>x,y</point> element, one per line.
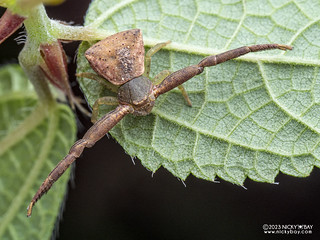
<point>9,23</point>
<point>54,67</point>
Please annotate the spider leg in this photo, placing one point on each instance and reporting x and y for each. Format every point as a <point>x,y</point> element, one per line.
<point>66,89</point>
<point>185,95</point>
<point>183,75</point>
<point>78,101</point>
<point>228,55</point>
<point>102,101</point>
<point>100,80</point>
<point>147,59</point>
<point>165,73</point>
<point>95,133</point>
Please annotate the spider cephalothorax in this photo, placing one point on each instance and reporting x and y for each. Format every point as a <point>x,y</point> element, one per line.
<point>139,94</point>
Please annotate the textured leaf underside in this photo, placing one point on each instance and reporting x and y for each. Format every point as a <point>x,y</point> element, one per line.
<point>32,141</point>
<point>251,117</point>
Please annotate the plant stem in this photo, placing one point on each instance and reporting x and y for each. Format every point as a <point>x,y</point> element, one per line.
<point>38,26</point>
<point>76,33</point>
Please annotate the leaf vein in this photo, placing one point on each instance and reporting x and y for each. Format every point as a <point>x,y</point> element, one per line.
<point>244,14</point>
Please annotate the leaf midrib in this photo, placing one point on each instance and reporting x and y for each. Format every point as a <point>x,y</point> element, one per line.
<point>281,58</point>
<point>180,47</point>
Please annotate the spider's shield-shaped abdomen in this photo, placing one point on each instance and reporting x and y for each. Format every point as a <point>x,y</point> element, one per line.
<point>118,58</point>
<point>138,94</point>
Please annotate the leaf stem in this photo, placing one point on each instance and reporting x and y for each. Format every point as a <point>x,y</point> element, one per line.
<point>76,33</point>
<point>40,30</point>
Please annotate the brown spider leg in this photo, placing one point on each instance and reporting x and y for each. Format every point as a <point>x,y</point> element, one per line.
<point>183,75</point>
<point>165,73</point>
<point>95,133</point>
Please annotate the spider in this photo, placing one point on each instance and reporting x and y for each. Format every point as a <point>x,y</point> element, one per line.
<point>121,60</point>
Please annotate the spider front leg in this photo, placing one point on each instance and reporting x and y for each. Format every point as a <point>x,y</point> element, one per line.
<point>177,78</point>
<point>94,134</point>
<point>165,73</point>
<point>162,75</point>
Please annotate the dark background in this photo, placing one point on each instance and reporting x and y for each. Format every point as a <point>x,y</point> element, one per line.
<point>115,199</point>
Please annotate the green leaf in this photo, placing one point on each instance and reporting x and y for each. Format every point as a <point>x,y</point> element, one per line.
<point>33,140</point>
<point>251,117</point>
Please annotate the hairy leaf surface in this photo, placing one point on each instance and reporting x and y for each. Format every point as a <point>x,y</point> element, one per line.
<point>251,117</point>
